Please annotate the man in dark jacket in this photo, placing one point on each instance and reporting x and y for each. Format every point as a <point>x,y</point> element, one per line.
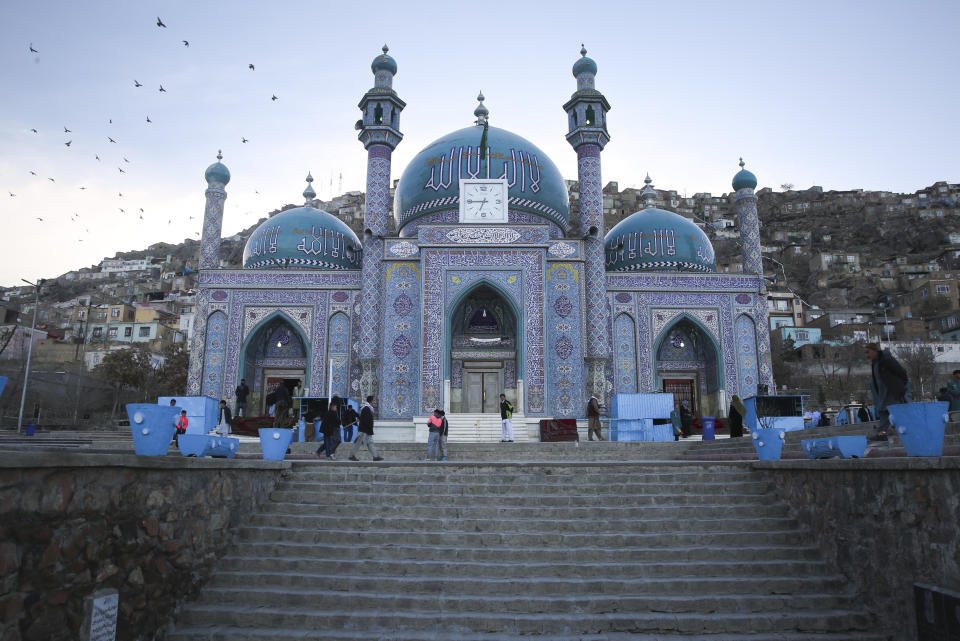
<point>889,386</point>
<point>241,393</point>
<point>283,400</point>
<point>330,426</point>
<point>365,432</point>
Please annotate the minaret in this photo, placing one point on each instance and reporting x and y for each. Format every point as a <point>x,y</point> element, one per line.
<point>217,176</point>
<point>380,135</point>
<point>587,118</point>
<point>749,221</point>
<point>649,194</point>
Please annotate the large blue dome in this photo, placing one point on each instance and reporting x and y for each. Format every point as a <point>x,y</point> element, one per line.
<point>656,240</point>
<point>431,182</point>
<point>303,238</point>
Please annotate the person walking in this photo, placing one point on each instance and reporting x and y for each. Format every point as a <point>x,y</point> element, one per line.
<point>889,385</point>
<point>223,419</point>
<point>506,420</point>
<point>241,393</point>
<point>365,432</point>
<point>349,420</point>
<point>435,425</point>
<point>953,389</point>
<point>737,412</point>
<point>593,417</point>
<point>282,405</point>
<point>330,426</point>
<point>686,419</point>
<point>444,429</point>
<point>676,421</point>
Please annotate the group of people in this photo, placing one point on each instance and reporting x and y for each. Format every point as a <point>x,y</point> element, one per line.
<point>330,424</point>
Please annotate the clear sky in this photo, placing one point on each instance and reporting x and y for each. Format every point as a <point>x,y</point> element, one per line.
<point>842,94</point>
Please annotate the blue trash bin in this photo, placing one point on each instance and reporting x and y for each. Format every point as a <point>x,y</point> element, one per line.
<point>708,428</point>
<point>31,429</point>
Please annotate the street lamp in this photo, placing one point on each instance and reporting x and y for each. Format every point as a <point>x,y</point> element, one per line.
<point>26,374</point>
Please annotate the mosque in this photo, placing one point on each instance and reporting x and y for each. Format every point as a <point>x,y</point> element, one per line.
<point>487,286</point>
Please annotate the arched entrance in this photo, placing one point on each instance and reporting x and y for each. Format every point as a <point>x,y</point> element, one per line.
<point>688,366</point>
<point>483,351</point>
<point>275,353</point>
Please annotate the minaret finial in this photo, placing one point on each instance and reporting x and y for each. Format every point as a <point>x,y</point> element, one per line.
<point>385,48</point>
<point>219,154</point>
<point>583,50</point>
<point>481,112</point>
<point>309,194</point>
<point>741,162</point>
<point>649,194</point>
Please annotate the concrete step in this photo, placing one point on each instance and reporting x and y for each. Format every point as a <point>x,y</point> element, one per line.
<point>438,622</point>
<point>736,551</point>
<point>313,504</point>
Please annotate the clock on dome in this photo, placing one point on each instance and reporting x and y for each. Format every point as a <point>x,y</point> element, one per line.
<point>483,200</point>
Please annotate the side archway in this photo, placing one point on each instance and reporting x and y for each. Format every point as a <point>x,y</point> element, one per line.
<point>625,354</point>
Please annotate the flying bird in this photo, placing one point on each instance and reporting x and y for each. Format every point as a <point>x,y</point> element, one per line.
<point>160,23</point>
<point>148,119</point>
<point>189,217</point>
<point>141,210</point>
<point>168,222</point>
<point>141,216</point>
<point>186,44</point>
<point>40,219</point>
<point>274,97</point>
<point>136,83</point>
<point>11,194</point>
<point>110,121</point>
<point>162,90</point>
<point>68,143</point>
<point>120,169</point>
<point>33,173</point>
<point>82,187</point>
<point>51,180</point>
<point>242,139</point>
<point>121,210</point>
<point>67,131</point>
<point>125,159</point>
<point>120,195</point>
<point>35,131</point>
<point>251,67</point>
<point>111,139</point>
<point>32,50</point>
<point>97,157</point>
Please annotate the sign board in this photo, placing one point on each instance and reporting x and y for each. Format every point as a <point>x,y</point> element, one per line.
<point>101,620</point>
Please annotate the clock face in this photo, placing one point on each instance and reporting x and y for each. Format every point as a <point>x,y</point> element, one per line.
<point>483,201</point>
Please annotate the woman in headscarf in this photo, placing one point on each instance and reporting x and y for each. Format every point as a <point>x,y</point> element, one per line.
<point>737,412</point>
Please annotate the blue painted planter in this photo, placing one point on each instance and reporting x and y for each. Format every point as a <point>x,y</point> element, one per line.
<point>3,383</point>
<point>920,426</point>
<point>152,427</point>
<point>207,445</point>
<point>842,446</point>
<point>274,442</point>
<point>768,441</point>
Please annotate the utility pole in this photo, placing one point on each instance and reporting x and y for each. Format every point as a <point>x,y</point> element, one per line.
<point>26,373</point>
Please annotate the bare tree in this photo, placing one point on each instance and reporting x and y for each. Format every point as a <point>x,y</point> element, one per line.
<point>920,363</point>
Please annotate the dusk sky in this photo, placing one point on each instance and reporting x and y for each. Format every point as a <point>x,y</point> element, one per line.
<point>838,94</point>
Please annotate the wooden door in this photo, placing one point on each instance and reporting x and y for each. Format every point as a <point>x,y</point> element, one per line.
<point>682,390</point>
<point>491,392</point>
<point>481,391</point>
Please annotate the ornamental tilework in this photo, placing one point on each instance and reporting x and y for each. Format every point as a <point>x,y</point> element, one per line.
<point>459,235</point>
<point>213,351</point>
<point>370,312</point>
<point>517,220</point>
<point>439,291</point>
<point>625,354</point>
<point>338,346</point>
<point>709,318</point>
<point>683,283</point>
<point>763,344</point>
<point>212,225</point>
<point>400,389</point>
<point>749,222</point>
<point>591,215</point>
<point>746,333</point>
<point>195,370</point>
<point>254,316</point>
<point>275,279</point>
<point>565,388</point>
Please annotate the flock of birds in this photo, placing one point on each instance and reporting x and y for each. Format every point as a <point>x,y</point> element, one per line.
<point>75,217</point>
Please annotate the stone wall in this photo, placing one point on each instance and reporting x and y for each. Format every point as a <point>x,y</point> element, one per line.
<point>885,523</point>
<point>150,527</point>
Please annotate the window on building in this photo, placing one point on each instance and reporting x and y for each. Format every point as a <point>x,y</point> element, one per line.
<point>803,336</point>
<point>144,332</point>
<point>943,289</point>
<point>851,259</point>
<point>97,332</point>
<point>112,332</point>
<point>781,305</point>
<point>127,332</point>
<point>115,313</point>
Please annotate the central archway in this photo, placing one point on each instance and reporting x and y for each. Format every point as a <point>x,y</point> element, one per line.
<point>276,351</point>
<point>688,366</point>
<point>483,350</point>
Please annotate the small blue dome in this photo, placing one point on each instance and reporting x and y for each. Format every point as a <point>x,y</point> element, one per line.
<point>217,172</point>
<point>303,238</point>
<point>655,240</point>
<point>584,64</point>
<point>744,179</point>
<point>384,62</point>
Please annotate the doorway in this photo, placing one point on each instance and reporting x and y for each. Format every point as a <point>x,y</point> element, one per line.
<point>683,389</point>
<point>482,390</point>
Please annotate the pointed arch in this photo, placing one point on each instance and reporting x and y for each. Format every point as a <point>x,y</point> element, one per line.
<point>262,325</point>
<point>714,344</point>
<point>511,303</point>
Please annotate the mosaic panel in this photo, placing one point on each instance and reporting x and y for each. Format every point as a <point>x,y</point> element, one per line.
<point>709,318</point>
<point>195,369</point>
<point>516,219</point>
<point>474,235</point>
<point>212,224</point>
<point>683,282</point>
<point>253,316</point>
<point>276,279</point>
<point>283,342</point>
<point>749,222</point>
<point>439,292</point>
<point>214,348</point>
<point>625,354</point>
<point>566,396</point>
<point>400,388</point>
<point>591,215</point>
<point>338,345</point>
<point>746,333</point>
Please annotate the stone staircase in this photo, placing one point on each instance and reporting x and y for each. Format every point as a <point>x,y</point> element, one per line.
<point>474,428</point>
<point>495,551</point>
